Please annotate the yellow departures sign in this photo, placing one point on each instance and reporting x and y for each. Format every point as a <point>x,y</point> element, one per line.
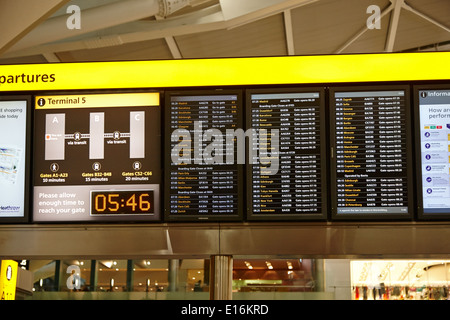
<point>8,279</point>
<point>227,71</point>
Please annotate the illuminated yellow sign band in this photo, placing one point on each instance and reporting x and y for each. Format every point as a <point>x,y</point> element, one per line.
<point>227,71</point>
<point>97,100</point>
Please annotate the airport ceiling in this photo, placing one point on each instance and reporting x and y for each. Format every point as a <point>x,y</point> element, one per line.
<point>113,30</point>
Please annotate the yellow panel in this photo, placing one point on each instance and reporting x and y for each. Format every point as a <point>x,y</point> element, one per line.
<point>8,279</point>
<point>229,71</point>
<point>97,100</point>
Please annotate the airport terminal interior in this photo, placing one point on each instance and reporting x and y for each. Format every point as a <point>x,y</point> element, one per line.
<point>107,197</point>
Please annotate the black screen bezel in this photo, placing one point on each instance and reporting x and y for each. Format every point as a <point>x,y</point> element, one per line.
<point>238,216</point>
<point>421,215</point>
<point>157,216</point>
<point>333,165</point>
<point>323,151</point>
<point>28,142</point>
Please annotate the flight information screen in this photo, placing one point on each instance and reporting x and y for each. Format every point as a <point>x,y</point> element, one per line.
<point>203,155</point>
<point>14,158</point>
<point>286,174</point>
<point>433,161</point>
<point>97,157</point>
<point>370,150</point>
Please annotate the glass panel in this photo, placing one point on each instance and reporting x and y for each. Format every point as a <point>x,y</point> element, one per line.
<point>154,279</point>
<point>150,275</point>
<point>272,275</point>
<point>279,279</point>
<point>194,275</point>
<point>43,275</point>
<point>400,279</point>
<point>112,275</point>
<point>75,275</point>
<point>255,279</point>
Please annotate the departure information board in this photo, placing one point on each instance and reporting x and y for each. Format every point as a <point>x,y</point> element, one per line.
<point>370,153</point>
<point>203,177</point>
<point>15,138</point>
<point>432,105</point>
<point>97,157</point>
<point>286,176</point>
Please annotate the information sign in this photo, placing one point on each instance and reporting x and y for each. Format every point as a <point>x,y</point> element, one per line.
<point>432,105</point>
<point>97,157</point>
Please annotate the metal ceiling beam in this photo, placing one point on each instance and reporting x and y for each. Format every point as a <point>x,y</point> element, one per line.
<point>236,8</point>
<point>51,57</point>
<point>393,25</point>
<point>95,19</point>
<point>19,17</point>
<point>289,32</point>
<point>172,44</point>
<point>244,12</point>
<point>396,6</point>
<point>135,31</point>
<point>205,20</point>
<point>362,31</point>
<point>424,16</point>
<point>173,47</point>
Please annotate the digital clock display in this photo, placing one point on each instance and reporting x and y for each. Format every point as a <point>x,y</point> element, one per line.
<point>122,202</point>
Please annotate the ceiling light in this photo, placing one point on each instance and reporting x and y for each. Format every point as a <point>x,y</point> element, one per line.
<point>107,264</point>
